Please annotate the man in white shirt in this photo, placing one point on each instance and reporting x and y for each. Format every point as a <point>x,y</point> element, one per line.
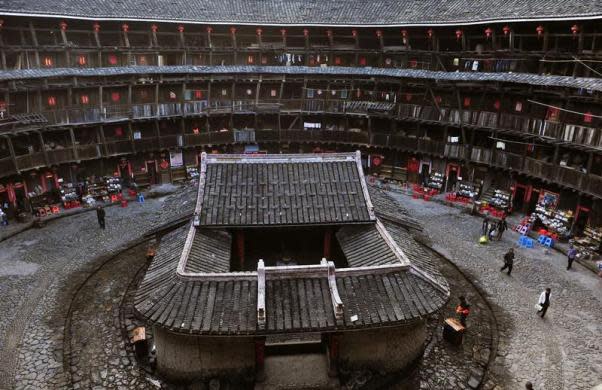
<point>544,302</point>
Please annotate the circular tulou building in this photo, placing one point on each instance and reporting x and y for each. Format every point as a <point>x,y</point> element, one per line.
<point>501,95</point>
<point>278,108</point>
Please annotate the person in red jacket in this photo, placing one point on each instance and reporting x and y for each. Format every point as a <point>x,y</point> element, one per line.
<point>463,310</point>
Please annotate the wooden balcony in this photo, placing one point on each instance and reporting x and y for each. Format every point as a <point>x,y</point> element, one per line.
<point>30,161</point>
<point>59,156</point>
<point>7,166</point>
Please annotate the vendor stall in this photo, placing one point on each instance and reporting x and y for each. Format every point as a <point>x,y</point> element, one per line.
<point>466,190</point>
<point>436,181</point>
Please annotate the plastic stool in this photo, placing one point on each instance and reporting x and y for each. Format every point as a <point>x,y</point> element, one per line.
<point>42,212</point>
<point>523,230</point>
<point>124,203</point>
<point>548,242</point>
<point>541,239</point>
<point>140,198</point>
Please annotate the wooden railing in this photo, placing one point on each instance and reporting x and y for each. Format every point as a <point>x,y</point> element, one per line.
<point>569,177</point>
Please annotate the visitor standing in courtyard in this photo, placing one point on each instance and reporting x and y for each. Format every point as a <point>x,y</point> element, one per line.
<point>100,214</point>
<point>502,226</point>
<point>544,302</point>
<point>463,310</point>
<point>508,261</point>
<point>571,256</point>
<point>485,226</point>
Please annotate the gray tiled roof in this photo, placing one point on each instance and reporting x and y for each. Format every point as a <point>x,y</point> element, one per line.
<point>517,78</point>
<point>387,208</point>
<point>304,12</point>
<point>364,246</point>
<point>295,190</point>
<point>217,303</point>
<point>210,252</point>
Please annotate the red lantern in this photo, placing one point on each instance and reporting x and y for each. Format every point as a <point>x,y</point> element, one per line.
<point>51,101</point>
<point>112,59</point>
<point>458,34</point>
<point>48,61</point>
<point>154,28</point>
<point>115,97</point>
<point>354,33</point>
<point>84,99</point>
<point>497,104</point>
<point>438,99</point>
<point>539,31</point>
<point>429,32</point>
<point>377,160</point>
<point>198,94</point>
<point>575,30</point>
<point>125,27</point>
<point>588,117</point>
<point>467,101</point>
<point>196,130</point>
<point>404,33</point>
<point>379,33</point>
<point>96,27</point>
<point>413,63</point>
<point>283,32</point>
<point>232,30</point>
<point>259,31</point>
<point>488,32</point>
<point>337,60</point>
<point>305,32</point>
<point>118,132</point>
<point>408,97</point>
<point>209,29</point>
<point>164,164</point>
<point>362,61</point>
<point>506,30</point>
<point>180,28</point>
<point>82,60</point>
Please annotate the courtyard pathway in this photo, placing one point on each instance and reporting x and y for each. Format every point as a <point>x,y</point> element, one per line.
<point>561,351</point>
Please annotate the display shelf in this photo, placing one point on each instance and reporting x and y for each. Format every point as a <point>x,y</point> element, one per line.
<point>436,181</point>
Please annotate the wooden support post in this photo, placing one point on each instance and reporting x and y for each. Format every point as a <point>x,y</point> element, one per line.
<point>327,242</point>
<point>240,249</point>
<point>333,355</point>
<point>260,359</point>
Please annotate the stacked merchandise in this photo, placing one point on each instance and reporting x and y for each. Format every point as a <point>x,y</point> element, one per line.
<point>500,200</point>
<point>557,221</point>
<point>590,244</point>
<point>466,190</point>
<point>113,185</point>
<point>69,195</point>
<point>192,172</point>
<point>436,181</point>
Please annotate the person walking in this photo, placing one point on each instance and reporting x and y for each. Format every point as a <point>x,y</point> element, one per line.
<point>508,261</point>
<point>463,310</point>
<point>485,226</point>
<point>544,302</point>
<point>100,214</point>
<point>529,386</point>
<point>502,226</point>
<point>571,256</point>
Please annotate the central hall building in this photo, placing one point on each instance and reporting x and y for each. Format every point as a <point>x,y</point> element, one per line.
<point>285,247</point>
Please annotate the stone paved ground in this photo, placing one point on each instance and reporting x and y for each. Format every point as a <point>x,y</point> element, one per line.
<point>36,268</point>
<point>561,351</point>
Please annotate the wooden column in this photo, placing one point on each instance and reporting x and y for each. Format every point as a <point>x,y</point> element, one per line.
<point>240,248</point>
<point>333,355</point>
<point>260,358</point>
<point>327,243</point>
